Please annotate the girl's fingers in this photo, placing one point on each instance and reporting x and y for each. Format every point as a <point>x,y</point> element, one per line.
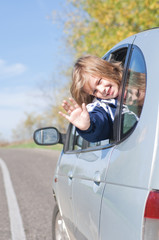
<point>84,107</point>
<point>68,110</point>
<point>64,115</point>
<point>66,105</point>
<point>74,102</point>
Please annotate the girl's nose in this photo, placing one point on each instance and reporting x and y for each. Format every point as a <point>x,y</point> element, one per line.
<point>100,89</point>
<point>134,96</point>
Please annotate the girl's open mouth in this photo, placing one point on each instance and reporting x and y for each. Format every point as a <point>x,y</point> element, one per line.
<point>108,92</point>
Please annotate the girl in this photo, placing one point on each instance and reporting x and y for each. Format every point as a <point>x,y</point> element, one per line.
<point>95,83</point>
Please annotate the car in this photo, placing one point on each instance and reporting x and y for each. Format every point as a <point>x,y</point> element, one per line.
<point>110,189</point>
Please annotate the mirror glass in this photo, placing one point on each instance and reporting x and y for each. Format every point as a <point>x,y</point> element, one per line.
<point>46,136</point>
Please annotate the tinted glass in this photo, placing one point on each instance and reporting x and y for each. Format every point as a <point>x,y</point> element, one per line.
<point>134,94</point>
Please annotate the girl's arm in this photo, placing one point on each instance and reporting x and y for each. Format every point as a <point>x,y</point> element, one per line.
<point>93,126</point>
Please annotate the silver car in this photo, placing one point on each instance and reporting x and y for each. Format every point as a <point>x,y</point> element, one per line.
<point>109,190</point>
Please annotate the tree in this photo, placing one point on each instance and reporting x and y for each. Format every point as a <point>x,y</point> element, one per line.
<point>3,141</point>
<point>49,117</point>
<point>25,129</point>
<point>95,26</point>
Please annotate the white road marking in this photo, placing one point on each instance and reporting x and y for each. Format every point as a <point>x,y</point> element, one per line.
<point>16,224</point>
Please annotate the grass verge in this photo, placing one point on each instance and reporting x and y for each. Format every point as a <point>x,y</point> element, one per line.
<point>30,144</point>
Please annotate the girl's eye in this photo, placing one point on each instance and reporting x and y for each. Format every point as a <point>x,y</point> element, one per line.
<point>99,80</point>
<point>97,83</point>
<point>94,92</point>
<point>138,93</point>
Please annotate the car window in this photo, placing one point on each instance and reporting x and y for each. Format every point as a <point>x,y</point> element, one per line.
<point>134,93</point>
<point>118,55</point>
<point>134,86</point>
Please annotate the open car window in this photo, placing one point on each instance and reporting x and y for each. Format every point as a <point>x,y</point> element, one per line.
<point>119,55</point>
<point>133,87</point>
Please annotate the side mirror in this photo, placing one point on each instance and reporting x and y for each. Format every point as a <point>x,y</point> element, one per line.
<point>47,136</point>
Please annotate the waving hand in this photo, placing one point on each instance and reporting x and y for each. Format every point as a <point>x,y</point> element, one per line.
<point>77,115</point>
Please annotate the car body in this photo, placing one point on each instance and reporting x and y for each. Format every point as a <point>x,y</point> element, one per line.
<point>110,189</point>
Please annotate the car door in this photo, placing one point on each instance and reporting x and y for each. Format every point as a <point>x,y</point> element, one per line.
<point>90,173</point>
<point>127,177</point>
<point>88,186</point>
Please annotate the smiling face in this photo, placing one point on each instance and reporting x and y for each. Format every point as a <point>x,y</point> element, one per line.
<point>101,88</point>
<point>135,96</point>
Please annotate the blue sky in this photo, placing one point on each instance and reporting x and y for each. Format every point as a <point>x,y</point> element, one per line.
<point>31,52</point>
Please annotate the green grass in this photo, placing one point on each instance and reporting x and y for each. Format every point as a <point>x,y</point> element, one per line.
<point>31,144</point>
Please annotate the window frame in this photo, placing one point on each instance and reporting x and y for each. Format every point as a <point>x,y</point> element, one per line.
<point>118,138</point>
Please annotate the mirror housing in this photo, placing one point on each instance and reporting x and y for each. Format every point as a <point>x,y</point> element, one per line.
<point>48,136</point>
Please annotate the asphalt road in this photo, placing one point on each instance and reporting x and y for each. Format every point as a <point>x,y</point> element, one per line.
<point>31,174</point>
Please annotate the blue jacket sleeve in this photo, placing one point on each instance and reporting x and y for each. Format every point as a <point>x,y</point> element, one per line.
<point>101,126</point>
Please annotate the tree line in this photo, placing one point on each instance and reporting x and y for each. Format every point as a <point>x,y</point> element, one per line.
<point>91,27</point>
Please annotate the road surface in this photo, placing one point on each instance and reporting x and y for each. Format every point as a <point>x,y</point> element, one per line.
<point>26,199</point>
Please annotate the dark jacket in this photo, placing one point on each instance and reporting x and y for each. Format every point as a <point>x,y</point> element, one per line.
<point>102,114</point>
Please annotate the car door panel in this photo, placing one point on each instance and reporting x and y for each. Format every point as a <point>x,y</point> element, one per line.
<point>88,186</point>
<point>130,157</point>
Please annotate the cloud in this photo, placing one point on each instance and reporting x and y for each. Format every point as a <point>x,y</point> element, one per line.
<point>11,70</point>
<point>13,106</point>
<point>22,98</point>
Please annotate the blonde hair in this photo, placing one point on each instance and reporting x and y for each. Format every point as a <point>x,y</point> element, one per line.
<point>137,80</point>
<point>92,65</point>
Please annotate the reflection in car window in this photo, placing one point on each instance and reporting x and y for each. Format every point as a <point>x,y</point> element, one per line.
<point>134,94</point>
